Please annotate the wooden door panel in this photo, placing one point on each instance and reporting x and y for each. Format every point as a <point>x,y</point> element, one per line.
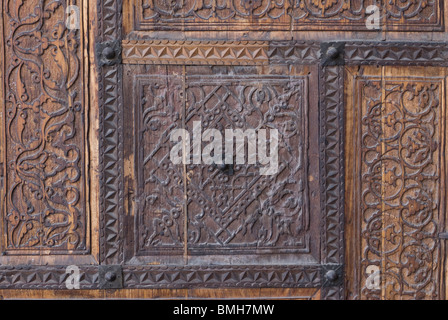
<point>396,181</point>
<point>157,229</point>
<point>238,211</point>
<point>44,156</point>
<point>236,215</point>
<point>87,181</point>
<point>44,149</point>
<point>202,226</point>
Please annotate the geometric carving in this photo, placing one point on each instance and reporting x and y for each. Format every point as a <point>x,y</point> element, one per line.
<point>219,52</point>
<point>332,153</point>
<point>332,168</point>
<point>396,53</point>
<point>158,277</point>
<point>241,212</point>
<point>45,278</point>
<point>245,211</point>
<point>111,140</point>
<point>222,277</point>
<point>278,52</point>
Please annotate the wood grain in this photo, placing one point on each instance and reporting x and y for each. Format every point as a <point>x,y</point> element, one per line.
<point>193,294</point>
<point>395,176</point>
<point>79,186</point>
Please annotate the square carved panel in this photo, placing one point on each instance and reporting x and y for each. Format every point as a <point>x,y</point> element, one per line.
<point>226,209</point>
<point>238,209</point>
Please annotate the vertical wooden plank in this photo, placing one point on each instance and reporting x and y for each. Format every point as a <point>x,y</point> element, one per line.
<point>45,206</point>
<point>396,132</point>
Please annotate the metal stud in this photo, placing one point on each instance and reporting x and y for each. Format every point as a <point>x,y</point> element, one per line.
<point>109,53</point>
<point>333,53</point>
<point>332,276</point>
<point>110,276</point>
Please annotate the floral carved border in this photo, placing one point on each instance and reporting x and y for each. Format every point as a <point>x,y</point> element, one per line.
<point>287,15</point>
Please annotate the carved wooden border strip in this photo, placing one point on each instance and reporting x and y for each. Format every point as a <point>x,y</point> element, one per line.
<point>222,277</point>
<point>110,108</point>
<point>396,53</point>
<point>332,168</point>
<point>335,15</point>
<point>45,278</point>
<point>147,277</point>
<point>219,52</point>
<point>332,161</point>
<point>278,52</point>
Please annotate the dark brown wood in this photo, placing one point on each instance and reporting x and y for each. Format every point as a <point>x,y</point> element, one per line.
<point>212,199</point>
<point>86,178</point>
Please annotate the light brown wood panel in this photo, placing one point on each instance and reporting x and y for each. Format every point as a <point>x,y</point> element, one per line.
<point>284,20</point>
<point>47,207</point>
<point>395,182</point>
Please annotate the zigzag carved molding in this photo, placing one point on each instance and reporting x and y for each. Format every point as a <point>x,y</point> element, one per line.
<point>218,52</point>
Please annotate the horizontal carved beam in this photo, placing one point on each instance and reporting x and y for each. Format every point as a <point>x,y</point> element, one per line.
<point>279,52</point>
<point>219,52</point>
<point>151,277</point>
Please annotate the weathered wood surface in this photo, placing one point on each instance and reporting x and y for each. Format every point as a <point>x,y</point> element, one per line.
<point>396,181</point>
<point>84,150</point>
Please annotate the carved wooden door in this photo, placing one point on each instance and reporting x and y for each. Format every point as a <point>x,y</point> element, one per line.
<point>93,93</point>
